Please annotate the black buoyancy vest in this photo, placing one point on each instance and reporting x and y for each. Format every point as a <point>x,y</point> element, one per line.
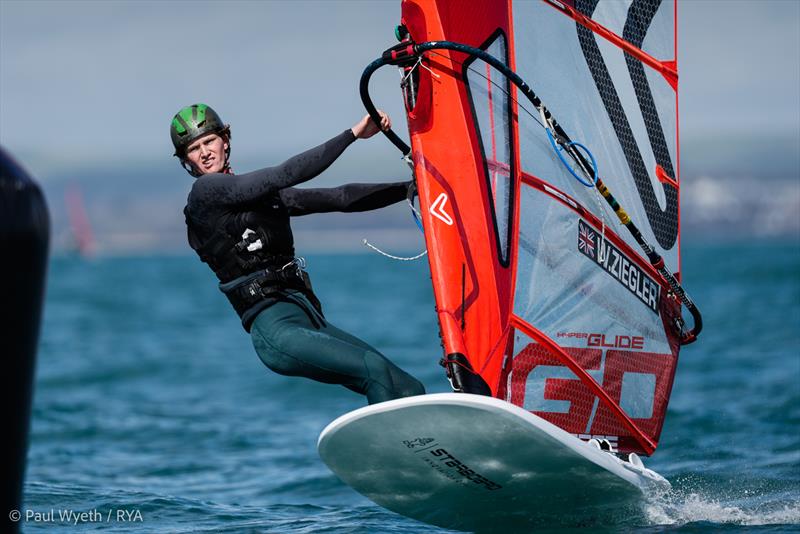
<point>245,242</point>
<point>252,254</point>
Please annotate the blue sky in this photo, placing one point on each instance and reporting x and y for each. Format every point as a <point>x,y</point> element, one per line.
<point>84,83</point>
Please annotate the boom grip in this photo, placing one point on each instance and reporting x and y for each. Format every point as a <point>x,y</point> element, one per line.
<point>370,107</point>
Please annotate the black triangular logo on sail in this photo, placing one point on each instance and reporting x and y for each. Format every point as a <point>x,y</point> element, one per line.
<point>640,15</point>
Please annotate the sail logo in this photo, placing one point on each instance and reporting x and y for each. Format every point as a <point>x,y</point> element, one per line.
<point>606,340</point>
<point>614,262</point>
<point>663,222</point>
<point>586,240</point>
<point>437,210</point>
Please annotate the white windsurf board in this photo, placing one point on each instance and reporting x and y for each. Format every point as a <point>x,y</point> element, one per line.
<point>476,463</point>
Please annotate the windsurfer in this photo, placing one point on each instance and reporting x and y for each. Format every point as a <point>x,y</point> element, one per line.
<point>239,226</point>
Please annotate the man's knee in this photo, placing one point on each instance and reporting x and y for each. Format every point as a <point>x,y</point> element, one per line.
<point>271,353</point>
<point>378,369</point>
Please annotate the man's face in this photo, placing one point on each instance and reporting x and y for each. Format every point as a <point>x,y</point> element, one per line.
<point>207,154</point>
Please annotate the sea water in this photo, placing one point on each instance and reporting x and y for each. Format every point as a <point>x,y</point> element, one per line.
<point>152,412</point>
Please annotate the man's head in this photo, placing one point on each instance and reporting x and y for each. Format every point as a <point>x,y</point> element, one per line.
<point>201,140</point>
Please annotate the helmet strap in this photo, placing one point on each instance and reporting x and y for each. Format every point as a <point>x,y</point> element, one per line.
<point>188,167</point>
<point>226,136</point>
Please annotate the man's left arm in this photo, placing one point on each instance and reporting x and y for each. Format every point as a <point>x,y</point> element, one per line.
<point>345,198</point>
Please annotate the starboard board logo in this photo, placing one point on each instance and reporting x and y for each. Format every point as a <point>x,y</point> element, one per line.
<point>602,252</point>
<point>455,469</point>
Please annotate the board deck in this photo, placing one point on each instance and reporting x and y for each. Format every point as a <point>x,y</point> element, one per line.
<point>469,462</point>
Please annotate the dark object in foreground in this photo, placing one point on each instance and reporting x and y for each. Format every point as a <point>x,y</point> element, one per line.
<point>24,238</point>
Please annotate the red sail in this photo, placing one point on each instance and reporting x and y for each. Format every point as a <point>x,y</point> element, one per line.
<point>539,291</point>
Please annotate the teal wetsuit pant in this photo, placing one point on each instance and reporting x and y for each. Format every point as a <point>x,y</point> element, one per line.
<point>293,339</point>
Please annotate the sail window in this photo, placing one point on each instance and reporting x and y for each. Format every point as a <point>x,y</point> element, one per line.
<point>491,108</point>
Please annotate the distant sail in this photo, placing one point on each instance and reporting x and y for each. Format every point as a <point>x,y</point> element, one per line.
<point>80,227</point>
<point>543,298</point>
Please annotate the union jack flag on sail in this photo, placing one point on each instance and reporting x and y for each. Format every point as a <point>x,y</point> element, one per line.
<point>586,241</point>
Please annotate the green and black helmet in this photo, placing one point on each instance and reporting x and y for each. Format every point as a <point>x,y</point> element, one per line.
<point>193,122</point>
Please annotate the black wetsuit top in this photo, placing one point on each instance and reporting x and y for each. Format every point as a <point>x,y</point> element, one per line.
<point>266,199</point>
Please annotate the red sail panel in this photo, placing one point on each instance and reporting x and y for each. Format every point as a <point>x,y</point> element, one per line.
<point>468,208</point>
